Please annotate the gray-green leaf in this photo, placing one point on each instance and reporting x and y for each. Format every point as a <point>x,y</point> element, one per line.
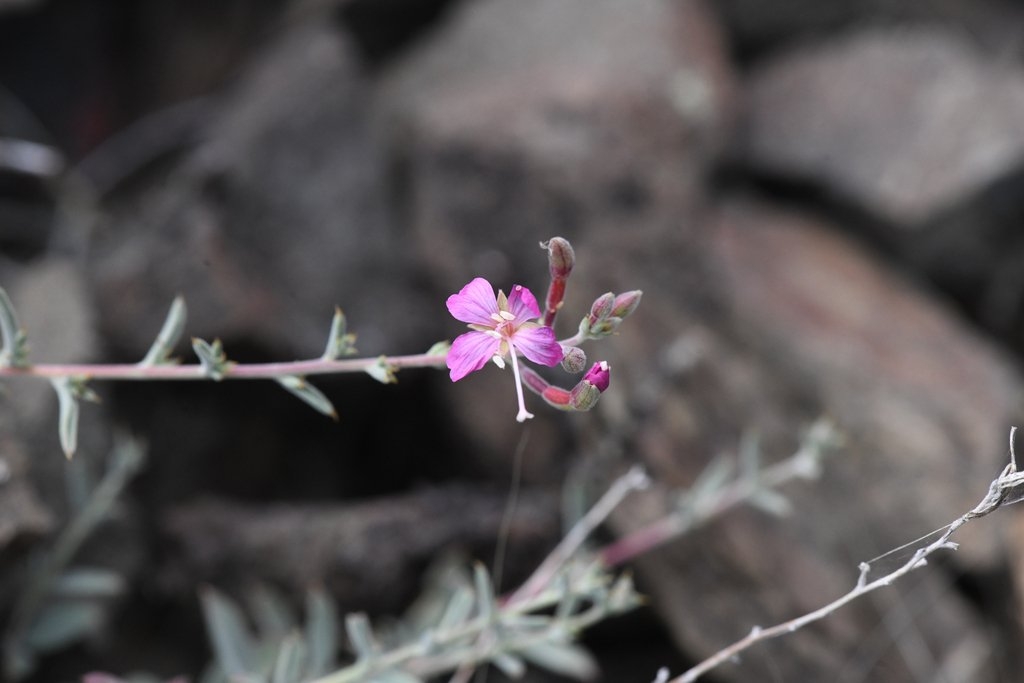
<point>299,387</point>
<point>233,648</point>
<point>160,352</point>
<point>566,659</point>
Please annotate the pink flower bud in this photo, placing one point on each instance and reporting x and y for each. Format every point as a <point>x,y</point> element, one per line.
<point>602,307</point>
<point>574,359</point>
<point>561,257</point>
<point>626,303</point>
<point>599,375</point>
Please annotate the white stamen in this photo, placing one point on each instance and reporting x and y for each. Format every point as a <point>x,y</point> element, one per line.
<point>496,317</point>
<point>524,414</point>
<point>499,361</point>
<point>507,315</point>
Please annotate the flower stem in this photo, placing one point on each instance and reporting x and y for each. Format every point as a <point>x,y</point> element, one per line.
<point>126,371</point>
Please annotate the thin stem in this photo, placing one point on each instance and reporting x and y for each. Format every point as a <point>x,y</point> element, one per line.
<point>633,480</point>
<point>318,366</point>
<point>996,497</point>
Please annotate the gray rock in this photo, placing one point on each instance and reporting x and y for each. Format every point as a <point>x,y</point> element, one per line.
<point>904,123</point>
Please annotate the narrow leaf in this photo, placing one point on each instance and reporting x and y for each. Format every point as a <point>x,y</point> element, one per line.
<point>232,645</point>
<point>60,624</point>
<point>321,633</point>
<point>772,502</point>
<point>382,371</point>
<point>299,387</point>
<point>215,362</point>
<point>360,636</point>
<point>508,664</point>
<point>488,605</point>
<point>562,658</point>
<point>441,348</point>
<point>67,422</point>
<point>288,665</point>
<point>14,351</point>
<point>458,609</point>
<point>750,455</point>
<point>160,352</point>
<point>273,616</point>
<point>339,341</point>
<point>88,582</point>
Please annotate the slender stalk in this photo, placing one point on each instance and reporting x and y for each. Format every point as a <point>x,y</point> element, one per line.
<point>995,498</point>
<point>127,371</point>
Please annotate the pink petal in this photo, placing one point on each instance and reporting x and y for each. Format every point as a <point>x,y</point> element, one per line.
<point>522,304</point>
<point>475,303</point>
<point>470,352</point>
<point>538,344</point>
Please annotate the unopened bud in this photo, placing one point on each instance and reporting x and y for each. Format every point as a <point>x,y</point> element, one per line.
<point>602,307</point>
<point>626,303</point>
<point>584,396</point>
<point>599,375</point>
<point>561,257</point>
<point>557,397</point>
<point>605,327</point>
<point>574,359</point>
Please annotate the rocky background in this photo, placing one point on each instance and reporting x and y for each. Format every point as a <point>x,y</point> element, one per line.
<point>821,199</point>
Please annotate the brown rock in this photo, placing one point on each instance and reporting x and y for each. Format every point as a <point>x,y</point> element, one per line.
<point>275,218</point>
<point>368,554</point>
<point>905,123</point>
<point>793,321</point>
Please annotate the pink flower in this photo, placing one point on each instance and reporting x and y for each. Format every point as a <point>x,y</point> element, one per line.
<point>501,326</point>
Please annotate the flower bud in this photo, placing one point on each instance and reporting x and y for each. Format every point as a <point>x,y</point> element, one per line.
<point>574,359</point>
<point>561,257</point>
<point>557,397</point>
<point>584,396</point>
<point>602,307</point>
<point>605,327</point>
<point>599,375</point>
<point>626,303</point>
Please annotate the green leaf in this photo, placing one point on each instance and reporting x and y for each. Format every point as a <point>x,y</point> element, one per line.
<point>215,362</point>
<point>274,618</point>
<point>288,665</point>
<point>67,421</point>
<point>62,623</point>
<point>772,502</point>
<point>360,636</point>
<point>233,648</point>
<point>458,609</point>
<point>487,603</point>
<point>160,352</point>
<point>441,348</point>
<point>509,664</point>
<point>321,633</point>
<point>339,341</point>
<point>89,582</point>
<point>382,371</point>
<point>299,387</point>
<point>566,659</point>
<point>14,351</point>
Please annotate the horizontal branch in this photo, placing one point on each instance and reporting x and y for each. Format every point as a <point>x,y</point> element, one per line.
<point>305,368</point>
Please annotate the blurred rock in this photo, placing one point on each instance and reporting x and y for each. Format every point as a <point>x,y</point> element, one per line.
<point>369,555</point>
<point>904,124</point>
<point>525,120</point>
<point>272,221</point>
<point>758,27</point>
<point>795,322</point>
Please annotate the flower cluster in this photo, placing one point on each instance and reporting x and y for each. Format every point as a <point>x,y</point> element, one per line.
<point>506,327</point>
